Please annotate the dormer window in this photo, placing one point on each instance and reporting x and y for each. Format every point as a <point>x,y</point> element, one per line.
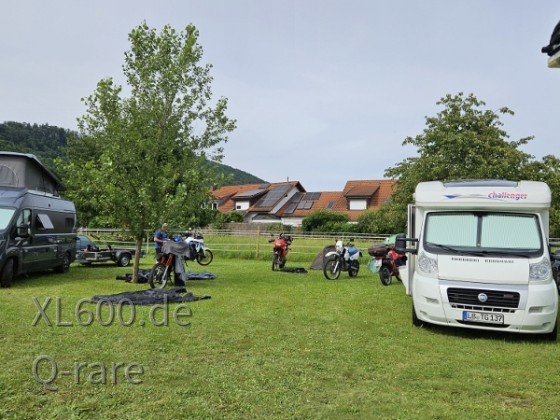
<point>357,204</point>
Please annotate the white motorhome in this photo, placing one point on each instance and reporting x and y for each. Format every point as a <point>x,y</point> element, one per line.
<point>482,258</point>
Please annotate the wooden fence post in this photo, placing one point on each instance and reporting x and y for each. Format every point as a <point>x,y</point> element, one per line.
<point>258,237</point>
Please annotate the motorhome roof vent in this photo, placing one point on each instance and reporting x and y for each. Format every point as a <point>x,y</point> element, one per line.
<point>480,183</point>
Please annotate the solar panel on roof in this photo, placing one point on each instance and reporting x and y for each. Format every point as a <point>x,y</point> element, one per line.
<point>291,208</point>
<point>296,197</point>
<point>248,193</point>
<point>273,196</point>
<point>312,196</point>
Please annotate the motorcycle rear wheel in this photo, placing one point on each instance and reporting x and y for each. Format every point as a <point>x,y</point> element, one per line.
<point>332,269</point>
<point>159,276</point>
<point>205,257</point>
<point>385,276</point>
<point>354,268</point>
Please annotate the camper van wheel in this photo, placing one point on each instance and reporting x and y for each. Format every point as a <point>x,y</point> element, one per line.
<point>7,274</point>
<point>415,320</point>
<point>385,276</point>
<point>65,266</point>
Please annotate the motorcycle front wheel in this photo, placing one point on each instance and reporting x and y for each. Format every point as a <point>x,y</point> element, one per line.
<point>385,276</point>
<point>204,257</point>
<point>159,276</point>
<point>275,262</point>
<point>332,269</point>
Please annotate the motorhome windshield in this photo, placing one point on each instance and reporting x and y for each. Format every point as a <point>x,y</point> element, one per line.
<point>5,217</point>
<point>506,233</point>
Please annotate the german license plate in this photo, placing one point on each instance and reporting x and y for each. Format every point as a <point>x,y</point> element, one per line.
<point>483,317</point>
<point>378,263</point>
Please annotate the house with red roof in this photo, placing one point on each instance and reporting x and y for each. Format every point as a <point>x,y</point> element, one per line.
<point>289,203</point>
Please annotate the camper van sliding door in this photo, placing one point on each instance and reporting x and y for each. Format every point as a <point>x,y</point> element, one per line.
<point>44,239</point>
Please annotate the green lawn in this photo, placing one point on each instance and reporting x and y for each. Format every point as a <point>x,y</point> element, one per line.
<point>266,345</point>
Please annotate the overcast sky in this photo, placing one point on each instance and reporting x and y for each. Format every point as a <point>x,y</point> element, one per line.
<point>323,91</point>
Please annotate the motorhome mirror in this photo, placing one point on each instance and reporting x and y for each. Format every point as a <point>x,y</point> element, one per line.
<point>22,230</point>
<point>400,244</point>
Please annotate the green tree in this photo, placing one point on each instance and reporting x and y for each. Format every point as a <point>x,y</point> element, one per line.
<point>324,221</point>
<point>142,159</point>
<point>463,141</point>
<point>548,170</point>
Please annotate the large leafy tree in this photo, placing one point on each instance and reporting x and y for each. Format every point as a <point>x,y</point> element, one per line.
<point>463,141</point>
<point>141,159</point>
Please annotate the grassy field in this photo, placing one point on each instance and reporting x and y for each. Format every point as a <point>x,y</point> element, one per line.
<point>266,345</point>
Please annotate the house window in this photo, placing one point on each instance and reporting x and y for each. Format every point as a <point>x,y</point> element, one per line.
<point>355,204</point>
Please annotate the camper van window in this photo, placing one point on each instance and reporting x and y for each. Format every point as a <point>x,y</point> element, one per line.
<point>482,231</point>
<point>69,222</point>
<point>5,217</point>
<point>44,221</point>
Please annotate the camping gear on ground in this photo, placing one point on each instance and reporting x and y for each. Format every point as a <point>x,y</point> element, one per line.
<point>280,248</point>
<point>343,258</point>
<point>149,297</point>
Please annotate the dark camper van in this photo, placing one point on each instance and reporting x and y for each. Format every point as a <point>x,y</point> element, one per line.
<point>37,227</point>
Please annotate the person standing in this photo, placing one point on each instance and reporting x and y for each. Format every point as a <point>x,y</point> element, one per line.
<point>160,236</point>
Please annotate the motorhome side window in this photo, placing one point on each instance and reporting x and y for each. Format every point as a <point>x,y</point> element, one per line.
<point>482,231</point>
<point>43,221</point>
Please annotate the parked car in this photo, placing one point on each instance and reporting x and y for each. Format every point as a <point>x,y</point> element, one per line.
<point>87,252</point>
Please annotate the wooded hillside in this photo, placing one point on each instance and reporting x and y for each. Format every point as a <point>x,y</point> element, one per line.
<point>48,142</point>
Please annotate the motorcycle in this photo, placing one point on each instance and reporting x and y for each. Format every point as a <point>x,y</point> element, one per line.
<point>199,252</point>
<point>386,261</point>
<point>280,248</point>
<point>343,258</point>
<point>556,269</point>
<point>169,260</point>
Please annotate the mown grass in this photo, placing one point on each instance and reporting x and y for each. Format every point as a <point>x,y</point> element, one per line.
<point>266,345</point>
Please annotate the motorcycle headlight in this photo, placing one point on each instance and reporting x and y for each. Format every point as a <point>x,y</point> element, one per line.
<point>427,265</point>
<point>540,271</point>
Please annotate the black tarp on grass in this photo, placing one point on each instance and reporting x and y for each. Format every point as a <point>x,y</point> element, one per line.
<point>150,297</point>
<point>144,276</point>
